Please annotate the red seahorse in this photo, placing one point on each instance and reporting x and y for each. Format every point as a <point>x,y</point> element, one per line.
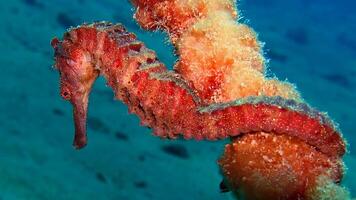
<point>276,138</point>
<point>165,102</point>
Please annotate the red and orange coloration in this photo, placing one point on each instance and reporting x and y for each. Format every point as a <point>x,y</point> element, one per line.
<point>271,166</point>
<point>218,90</point>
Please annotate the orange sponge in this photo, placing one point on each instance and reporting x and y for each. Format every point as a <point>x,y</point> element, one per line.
<point>268,166</point>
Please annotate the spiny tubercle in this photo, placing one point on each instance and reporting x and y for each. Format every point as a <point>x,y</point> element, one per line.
<point>166,102</point>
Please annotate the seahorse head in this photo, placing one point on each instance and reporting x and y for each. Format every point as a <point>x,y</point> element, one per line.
<point>77,76</point>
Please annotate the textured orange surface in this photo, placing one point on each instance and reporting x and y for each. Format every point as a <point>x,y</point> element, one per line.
<point>269,166</point>
<point>175,16</point>
<point>222,59</point>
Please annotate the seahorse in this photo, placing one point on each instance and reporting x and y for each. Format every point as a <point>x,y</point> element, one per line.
<point>300,147</point>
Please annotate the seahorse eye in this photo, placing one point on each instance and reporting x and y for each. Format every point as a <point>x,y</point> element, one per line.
<point>66,94</point>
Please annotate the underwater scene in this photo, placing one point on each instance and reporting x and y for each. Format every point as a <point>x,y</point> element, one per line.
<point>260,104</point>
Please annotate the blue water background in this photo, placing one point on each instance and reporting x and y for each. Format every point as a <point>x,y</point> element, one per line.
<point>311,43</point>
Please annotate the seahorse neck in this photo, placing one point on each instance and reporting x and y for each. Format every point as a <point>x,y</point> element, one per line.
<point>119,56</point>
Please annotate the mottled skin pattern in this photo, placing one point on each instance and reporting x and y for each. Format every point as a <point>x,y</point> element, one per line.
<point>174,103</point>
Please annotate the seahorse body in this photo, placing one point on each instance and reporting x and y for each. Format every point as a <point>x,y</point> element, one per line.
<point>165,102</point>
